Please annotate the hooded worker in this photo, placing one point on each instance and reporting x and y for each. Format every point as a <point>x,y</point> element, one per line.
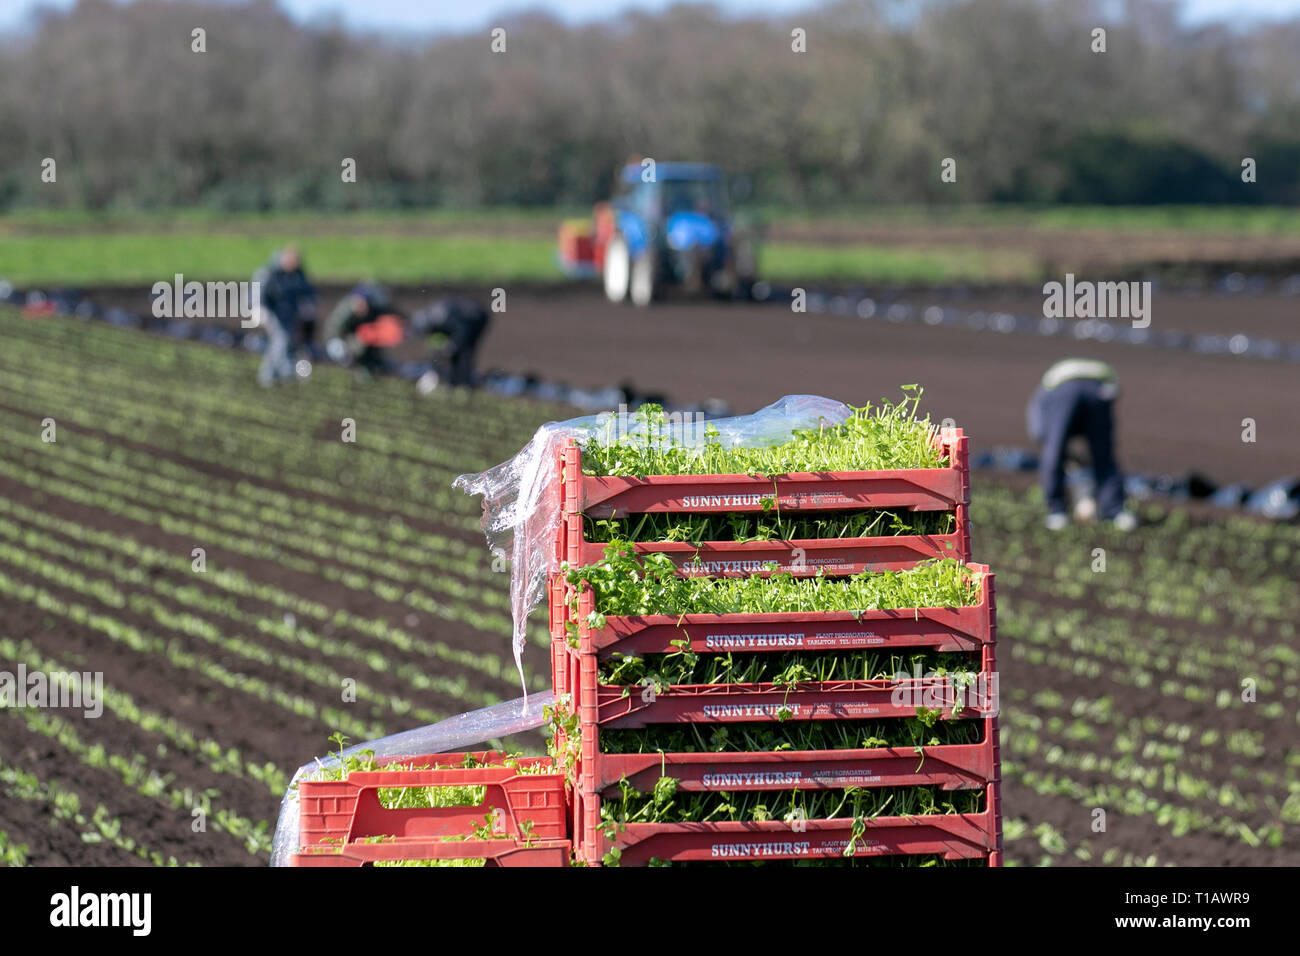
<point>1076,398</point>
<point>461,322</point>
<point>363,324</point>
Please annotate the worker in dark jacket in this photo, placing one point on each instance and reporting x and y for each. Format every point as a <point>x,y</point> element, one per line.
<point>286,299</point>
<point>462,323</point>
<point>361,326</point>
<point>1076,398</point>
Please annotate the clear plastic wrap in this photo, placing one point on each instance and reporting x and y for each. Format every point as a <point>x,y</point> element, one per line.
<point>521,497</point>
<point>462,732</point>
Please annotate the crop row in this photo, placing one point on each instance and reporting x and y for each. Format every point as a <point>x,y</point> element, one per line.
<point>161,412</point>
<point>239,537</point>
<point>327,679</point>
<point>1016,831</point>
<point>229,374</point>
<point>1104,636</point>
<point>1021,737</point>
<point>148,644</point>
<point>65,807</point>
<point>391,538</point>
<point>1050,652</point>
<point>231,581</point>
<point>198,607</point>
<point>220,759</point>
<point>136,773</point>
<point>1132,801</point>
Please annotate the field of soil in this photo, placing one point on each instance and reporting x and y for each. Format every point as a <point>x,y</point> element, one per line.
<point>1181,411</point>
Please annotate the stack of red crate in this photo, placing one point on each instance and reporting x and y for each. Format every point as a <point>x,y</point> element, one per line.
<point>969,630</point>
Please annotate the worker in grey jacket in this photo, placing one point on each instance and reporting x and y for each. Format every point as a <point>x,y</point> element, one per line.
<point>1076,398</point>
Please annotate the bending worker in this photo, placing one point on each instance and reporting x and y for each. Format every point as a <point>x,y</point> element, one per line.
<point>1076,398</point>
<point>462,322</point>
<point>361,326</point>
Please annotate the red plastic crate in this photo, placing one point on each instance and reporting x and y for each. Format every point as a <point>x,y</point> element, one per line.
<point>345,811</point>
<point>800,557</point>
<point>950,836</point>
<point>748,703</point>
<point>914,489</point>
<point>940,629</point>
<point>947,766</point>
<point>495,852</point>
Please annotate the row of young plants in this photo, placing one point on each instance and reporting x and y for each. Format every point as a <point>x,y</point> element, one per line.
<point>203,611</point>
<point>1099,640</point>
<point>1164,773</point>
<point>1205,603</point>
<point>1225,570</point>
<point>157,648</point>
<point>1132,801</point>
<point>109,498</point>
<point>66,809</point>
<point>1172,740</point>
<point>272,660</point>
<point>379,539</point>
<point>203,424</point>
<point>128,424</point>
<point>168,366</point>
<point>1018,833</point>
<point>220,758</point>
<point>183,502</point>
<point>293,460</point>
<point>231,581</point>
<point>136,773</point>
<point>1085,654</point>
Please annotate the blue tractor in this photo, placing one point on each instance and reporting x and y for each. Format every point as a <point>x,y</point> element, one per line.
<point>667,225</point>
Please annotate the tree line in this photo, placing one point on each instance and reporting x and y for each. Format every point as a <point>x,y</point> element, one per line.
<point>859,101</point>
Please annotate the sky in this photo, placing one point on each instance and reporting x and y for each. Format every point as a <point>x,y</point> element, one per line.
<point>459,15</point>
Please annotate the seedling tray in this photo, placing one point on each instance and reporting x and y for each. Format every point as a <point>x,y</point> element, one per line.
<point>944,629</point>
<point>950,836</point>
<point>345,811</point>
<point>748,703</point>
<point>914,489</point>
<point>494,852</point>
<point>802,557</point>
<point>948,766</point>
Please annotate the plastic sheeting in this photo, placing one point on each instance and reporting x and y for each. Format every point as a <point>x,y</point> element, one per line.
<point>462,732</point>
<point>521,497</point>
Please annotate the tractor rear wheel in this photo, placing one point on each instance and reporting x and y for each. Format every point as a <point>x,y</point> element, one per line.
<point>618,268</point>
